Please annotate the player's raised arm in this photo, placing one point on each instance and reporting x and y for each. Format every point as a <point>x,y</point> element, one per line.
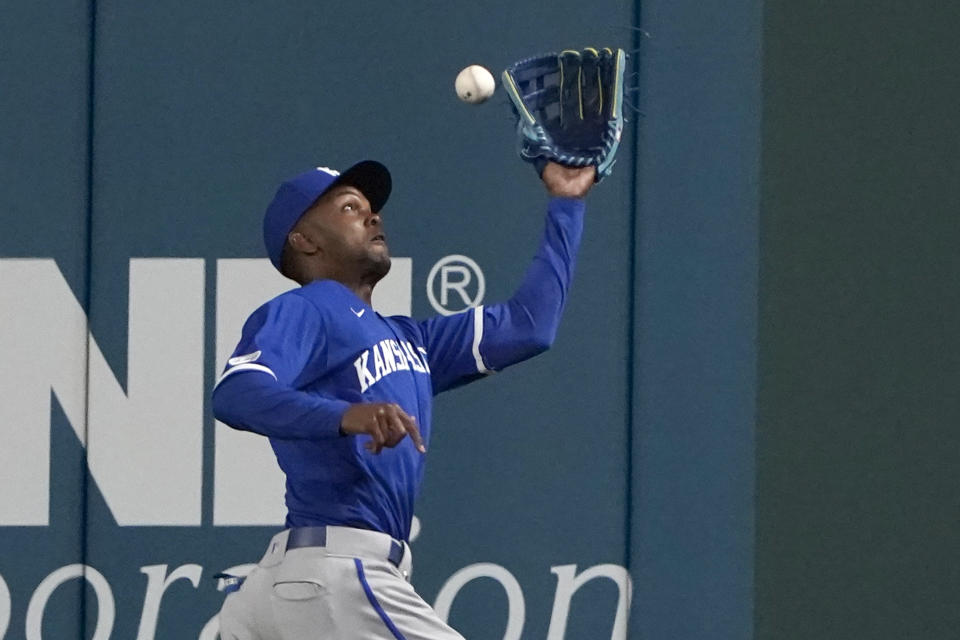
<point>468,345</point>
<point>569,122</point>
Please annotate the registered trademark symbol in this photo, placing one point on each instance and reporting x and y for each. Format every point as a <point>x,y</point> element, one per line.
<point>460,284</point>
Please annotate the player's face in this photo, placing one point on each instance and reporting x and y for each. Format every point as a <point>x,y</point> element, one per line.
<point>349,234</point>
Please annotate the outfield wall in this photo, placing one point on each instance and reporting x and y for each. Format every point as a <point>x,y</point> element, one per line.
<point>745,427</point>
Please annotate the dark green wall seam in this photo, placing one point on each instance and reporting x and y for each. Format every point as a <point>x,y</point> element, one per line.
<point>88,294</point>
<point>634,137</point>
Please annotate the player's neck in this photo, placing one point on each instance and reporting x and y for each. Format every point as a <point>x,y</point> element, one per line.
<point>362,289</point>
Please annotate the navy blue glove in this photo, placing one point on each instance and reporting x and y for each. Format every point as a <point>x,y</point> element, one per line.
<point>569,107</point>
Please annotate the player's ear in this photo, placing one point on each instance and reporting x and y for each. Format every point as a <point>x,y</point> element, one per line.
<point>302,243</point>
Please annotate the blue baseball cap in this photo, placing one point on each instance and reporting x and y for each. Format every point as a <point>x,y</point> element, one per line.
<point>298,194</point>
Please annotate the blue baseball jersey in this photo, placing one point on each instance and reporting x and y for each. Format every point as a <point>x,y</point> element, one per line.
<point>305,356</point>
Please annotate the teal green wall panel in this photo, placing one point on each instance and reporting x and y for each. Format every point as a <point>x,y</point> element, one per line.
<point>44,99</point>
<point>627,446</point>
<point>695,324</point>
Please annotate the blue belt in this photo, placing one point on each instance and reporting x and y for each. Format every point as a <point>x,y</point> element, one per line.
<point>317,537</point>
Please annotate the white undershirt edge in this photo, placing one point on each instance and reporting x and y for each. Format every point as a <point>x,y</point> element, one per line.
<point>477,337</point>
<point>246,367</point>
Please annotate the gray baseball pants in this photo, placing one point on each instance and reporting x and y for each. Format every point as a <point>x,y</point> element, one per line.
<point>344,590</point>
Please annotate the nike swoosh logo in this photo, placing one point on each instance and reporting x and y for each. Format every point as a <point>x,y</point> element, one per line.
<point>360,313</point>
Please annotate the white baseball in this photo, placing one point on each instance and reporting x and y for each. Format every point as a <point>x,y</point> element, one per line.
<point>474,84</point>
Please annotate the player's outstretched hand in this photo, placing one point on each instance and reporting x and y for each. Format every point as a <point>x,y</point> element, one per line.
<point>568,182</point>
<point>385,422</point>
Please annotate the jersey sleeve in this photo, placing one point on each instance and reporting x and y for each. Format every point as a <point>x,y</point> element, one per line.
<point>283,338</point>
<point>283,344</point>
<point>452,345</point>
<point>468,345</point>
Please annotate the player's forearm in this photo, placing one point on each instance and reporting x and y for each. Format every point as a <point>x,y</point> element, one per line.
<point>527,323</point>
<point>254,401</point>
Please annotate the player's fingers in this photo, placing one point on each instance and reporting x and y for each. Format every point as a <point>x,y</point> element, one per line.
<point>404,421</point>
<point>397,414</point>
<point>378,434</point>
<point>411,425</point>
<point>393,429</point>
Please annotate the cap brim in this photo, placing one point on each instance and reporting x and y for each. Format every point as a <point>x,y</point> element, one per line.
<point>371,178</point>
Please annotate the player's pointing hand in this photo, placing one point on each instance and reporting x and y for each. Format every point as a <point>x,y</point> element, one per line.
<point>385,422</point>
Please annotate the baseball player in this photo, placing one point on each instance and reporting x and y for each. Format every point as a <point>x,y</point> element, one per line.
<point>345,396</point>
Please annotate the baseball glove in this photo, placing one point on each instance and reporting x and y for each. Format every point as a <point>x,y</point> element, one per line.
<point>569,107</point>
